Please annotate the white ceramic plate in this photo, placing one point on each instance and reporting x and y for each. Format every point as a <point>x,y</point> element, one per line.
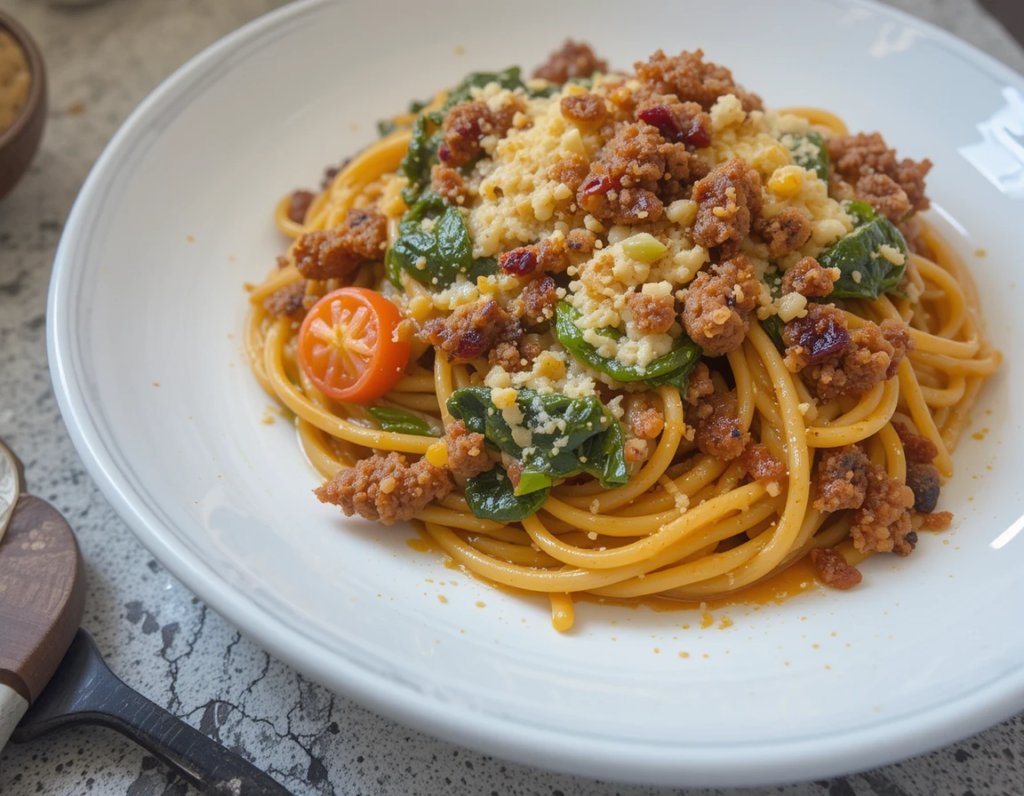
<point>145,315</point>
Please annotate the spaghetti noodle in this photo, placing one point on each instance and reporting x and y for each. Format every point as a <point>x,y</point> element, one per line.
<point>651,340</point>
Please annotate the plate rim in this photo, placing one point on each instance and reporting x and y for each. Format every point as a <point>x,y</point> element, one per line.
<point>766,762</point>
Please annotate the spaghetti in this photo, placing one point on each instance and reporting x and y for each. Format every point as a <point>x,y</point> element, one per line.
<point>651,339</point>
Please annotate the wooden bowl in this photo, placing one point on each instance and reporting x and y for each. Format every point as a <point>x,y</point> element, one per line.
<point>19,142</point>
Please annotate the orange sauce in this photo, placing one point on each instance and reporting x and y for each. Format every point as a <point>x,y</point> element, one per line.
<point>420,545</point>
<point>774,590</point>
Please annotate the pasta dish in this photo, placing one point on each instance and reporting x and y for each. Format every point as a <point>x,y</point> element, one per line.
<point>625,334</point>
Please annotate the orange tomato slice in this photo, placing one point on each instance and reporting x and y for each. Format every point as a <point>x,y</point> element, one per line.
<point>347,346</point>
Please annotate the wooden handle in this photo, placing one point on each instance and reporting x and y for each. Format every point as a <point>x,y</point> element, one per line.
<point>42,596</point>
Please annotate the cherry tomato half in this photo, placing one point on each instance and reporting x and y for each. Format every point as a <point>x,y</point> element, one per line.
<point>347,346</point>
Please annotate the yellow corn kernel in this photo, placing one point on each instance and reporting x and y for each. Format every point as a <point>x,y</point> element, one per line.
<point>786,182</point>
<point>437,454</point>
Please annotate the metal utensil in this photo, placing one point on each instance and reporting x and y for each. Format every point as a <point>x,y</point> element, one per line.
<point>85,691</point>
<point>52,675</point>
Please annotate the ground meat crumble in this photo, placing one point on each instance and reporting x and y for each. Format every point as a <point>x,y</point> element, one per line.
<point>719,433</point>
<point>447,182</point>
<point>692,79</point>
<point>288,301</point>
<point>869,169</point>
<point>634,174</point>
<point>652,314</point>
<point>516,357</point>
<point>586,110</point>
<point>571,171</point>
<point>809,279</point>
<point>700,384</point>
<point>553,255</point>
<point>915,447</point>
<point>644,419</point>
<point>834,360</point>
<point>728,202</point>
<point>467,452</point>
<point>538,300</point>
<point>830,568</point>
<point>472,330</point>
<point>937,521</point>
<point>386,488</point>
<point>847,479</point>
<point>882,523</point>
<point>784,232</point>
<point>764,467</point>
<point>574,59</point>
<point>718,304</point>
<point>842,479</point>
<point>468,123</point>
<point>923,480</point>
<point>922,476</point>
<point>298,205</point>
<point>334,253</point>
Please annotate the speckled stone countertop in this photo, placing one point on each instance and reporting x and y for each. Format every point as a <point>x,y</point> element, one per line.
<point>103,59</point>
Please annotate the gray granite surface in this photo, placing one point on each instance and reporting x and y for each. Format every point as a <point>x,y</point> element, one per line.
<point>103,59</point>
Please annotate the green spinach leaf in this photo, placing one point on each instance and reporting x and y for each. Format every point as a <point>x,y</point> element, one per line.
<point>435,253</point>
<point>672,368</point>
<point>420,158</point>
<point>773,324</point>
<point>507,78</point>
<point>555,437</point>
<point>426,135</point>
<point>491,497</point>
<point>417,105</point>
<point>864,271</point>
<point>809,151</point>
<point>484,266</point>
<point>398,421</point>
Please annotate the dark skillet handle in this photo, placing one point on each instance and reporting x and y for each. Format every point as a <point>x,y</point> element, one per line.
<point>85,691</point>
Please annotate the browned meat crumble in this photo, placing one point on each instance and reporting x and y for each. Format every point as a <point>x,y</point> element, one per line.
<point>386,488</point>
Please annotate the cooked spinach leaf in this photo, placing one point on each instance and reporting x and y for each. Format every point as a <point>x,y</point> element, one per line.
<point>398,421</point>
<point>416,105</point>
<point>484,266</point>
<point>433,243</point>
<point>554,436</point>
<point>421,157</point>
<point>507,78</point>
<point>773,324</point>
<point>864,271</point>
<point>809,151</point>
<point>426,135</point>
<point>491,496</point>
<point>672,368</point>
